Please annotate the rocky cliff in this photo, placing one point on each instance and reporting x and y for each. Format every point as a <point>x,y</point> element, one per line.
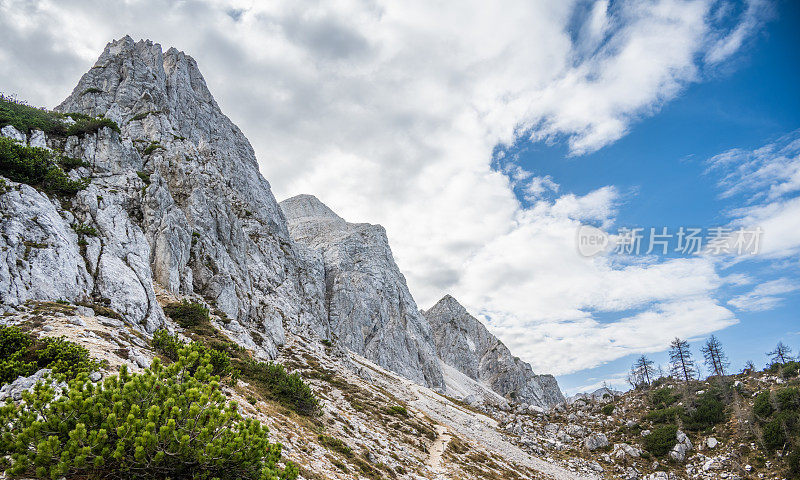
<point>464,343</point>
<point>207,219</point>
<point>370,309</point>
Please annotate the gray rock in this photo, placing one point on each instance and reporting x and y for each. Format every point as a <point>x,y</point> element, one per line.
<point>14,389</point>
<point>12,133</point>
<point>595,441</point>
<point>711,442</point>
<point>95,376</point>
<point>464,343</point>
<point>38,140</point>
<point>623,450</point>
<point>370,308</point>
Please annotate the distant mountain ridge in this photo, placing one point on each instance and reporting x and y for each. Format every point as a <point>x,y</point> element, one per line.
<point>464,343</point>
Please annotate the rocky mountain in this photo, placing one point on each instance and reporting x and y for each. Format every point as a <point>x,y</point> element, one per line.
<point>370,309</point>
<point>189,189</point>
<point>464,343</point>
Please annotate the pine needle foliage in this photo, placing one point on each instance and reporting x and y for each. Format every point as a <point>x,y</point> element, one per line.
<point>36,167</point>
<point>168,422</point>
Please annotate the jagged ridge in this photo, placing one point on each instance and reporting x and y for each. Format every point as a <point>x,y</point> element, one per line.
<point>464,343</point>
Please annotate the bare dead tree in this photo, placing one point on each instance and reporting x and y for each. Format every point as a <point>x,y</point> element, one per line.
<point>781,354</point>
<point>682,364</point>
<point>715,358</point>
<point>644,369</point>
<point>749,367</point>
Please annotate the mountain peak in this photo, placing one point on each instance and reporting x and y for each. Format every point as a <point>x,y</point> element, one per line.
<point>307,207</point>
<point>156,96</point>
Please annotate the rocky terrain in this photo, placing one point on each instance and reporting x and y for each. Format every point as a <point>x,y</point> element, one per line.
<point>138,201</point>
<point>370,310</point>
<point>465,344</point>
<point>138,194</point>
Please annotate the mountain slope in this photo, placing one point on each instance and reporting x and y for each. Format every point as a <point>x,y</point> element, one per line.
<point>465,344</point>
<point>370,310</point>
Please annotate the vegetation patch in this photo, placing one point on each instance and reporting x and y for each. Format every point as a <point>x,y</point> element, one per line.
<point>708,411</point>
<point>23,354</point>
<point>25,118</point>
<point>168,422</point>
<point>37,167</point>
<point>661,440</point>
<point>152,148</point>
<point>187,314</point>
<point>276,383</point>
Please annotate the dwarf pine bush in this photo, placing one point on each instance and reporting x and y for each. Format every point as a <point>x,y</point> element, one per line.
<point>22,354</point>
<point>25,118</point>
<point>37,167</point>
<point>187,314</point>
<point>167,422</point>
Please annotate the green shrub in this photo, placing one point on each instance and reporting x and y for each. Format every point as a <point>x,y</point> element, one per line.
<point>152,148</point>
<point>398,410</point>
<point>166,344</point>
<point>788,398</point>
<point>762,406</point>
<point>664,415</point>
<point>335,444</point>
<point>663,397</point>
<point>64,357</point>
<point>187,314</point>
<point>14,361</point>
<point>773,435</point>
<point>83,229</point>
<point>68,163</point>
<point>793,463</point>
<point>26,119</point>
<point>661,440</point>
<point>36,167</point>
<point>145,177</point>
<point>774,367</point>
<point>170,345</point>
<point>708,411</point>
<point>91,125</point>
<point>91,90</point>
<point>288,389</point>
<point>167,422</point>
<point>608,409</point>
<point>790,369</point>
<point>21,354</point>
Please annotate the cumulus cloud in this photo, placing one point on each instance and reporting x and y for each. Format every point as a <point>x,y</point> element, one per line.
<point>391,112</point>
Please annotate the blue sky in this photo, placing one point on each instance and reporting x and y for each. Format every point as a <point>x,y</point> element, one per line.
<point>661,165</point>
<point>483,135</point>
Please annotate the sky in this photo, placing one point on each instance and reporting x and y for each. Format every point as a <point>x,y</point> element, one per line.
<point>484,135</point>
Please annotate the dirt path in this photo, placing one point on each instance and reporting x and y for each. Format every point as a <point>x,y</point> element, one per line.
<point>465,423</point>
<point>437,450</point>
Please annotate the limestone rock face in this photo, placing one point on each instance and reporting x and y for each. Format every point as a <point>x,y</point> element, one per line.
<point>209,218</point>
<point>370,309</point>
<point>43,258</point>
<point>464,343</point>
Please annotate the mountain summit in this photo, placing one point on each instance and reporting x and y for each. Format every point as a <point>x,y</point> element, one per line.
<point>464,343</point>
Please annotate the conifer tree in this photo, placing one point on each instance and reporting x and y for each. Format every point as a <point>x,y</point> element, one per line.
<point>682,364</point>
<point>714,356</point>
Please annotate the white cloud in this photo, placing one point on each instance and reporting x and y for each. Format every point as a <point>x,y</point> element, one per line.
<point>391,111</point>
<point>765,296</point>
<point>768,178</point>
